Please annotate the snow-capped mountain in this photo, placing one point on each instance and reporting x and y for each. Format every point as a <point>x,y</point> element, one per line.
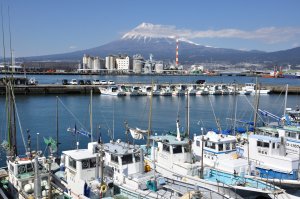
<point>160,41</point>
<point>147,32</point>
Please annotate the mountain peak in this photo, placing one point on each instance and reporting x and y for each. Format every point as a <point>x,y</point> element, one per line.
<point>148,31</point>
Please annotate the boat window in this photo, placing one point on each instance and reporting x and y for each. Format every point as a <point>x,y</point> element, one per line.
<point>187,149</point>
<point>137,157</point>
<point>114,89</point>
<point>29,167</point>
<point>88,163</point>
<point>259,143</point>
<point>298,136</point>
<point>11,167</point>
<point>233,145</point>
<point>21,169</point>
<point>127,159</point>
<point>211,145</point>
<point>177,149</point>
<point>266,144</point>
<point>292,135</point>
<point>197,143</point>
<point>227,145</point>
<point>166,148</point>
<point>72,163</point>
<point>273,145</point>
<point>114,158</point>
<point>220,147</point>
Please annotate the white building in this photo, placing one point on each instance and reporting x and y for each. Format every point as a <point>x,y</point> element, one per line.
<point>123,63</point>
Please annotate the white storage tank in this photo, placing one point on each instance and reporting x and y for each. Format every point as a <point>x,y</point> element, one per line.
<point>137,66</point>
<point>90,62</point>
<point>96,65</point>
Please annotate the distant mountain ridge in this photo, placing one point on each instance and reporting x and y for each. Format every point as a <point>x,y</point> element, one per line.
<point>142,41</point>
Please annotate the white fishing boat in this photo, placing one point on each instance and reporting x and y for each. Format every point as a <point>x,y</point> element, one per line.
<point>147,89</point>
<point>270,160</point>
<point>174,159</point>
<point>135,91</point>
<point>178,90</point>
<point>203,90</point>
<point>192,89</point>
<point>219,152</point>
<point>114,169</point>
<point>165,91</point>
<point>112,91</point>
<point>214,90</point>
<point>250,87</point>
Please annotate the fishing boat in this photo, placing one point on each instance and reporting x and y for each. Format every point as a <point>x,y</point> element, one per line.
<point>202,90</point>
<point>164,91</point>
<point>214,90</point>
<point>251,87</point>
<point>173,158</point>
<point>178,90</point>
<point>114,169</point>
<point>218,151</point>
<point>112,91</point>
<point>147,89</point>
<point>192,89</point>
<point>270,161</point>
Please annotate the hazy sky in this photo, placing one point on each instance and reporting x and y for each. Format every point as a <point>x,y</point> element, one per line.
<point>40,27</point>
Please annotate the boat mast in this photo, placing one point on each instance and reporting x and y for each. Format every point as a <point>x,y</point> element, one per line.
<point>257,94</point>
<point>12,138</point>
<point>188,115</point>
<point>202,158</point>
<point>91,115</point>
<point>235,109</point>
<point>285,99</point>
<point>150,118</point>
<point>57,139</point>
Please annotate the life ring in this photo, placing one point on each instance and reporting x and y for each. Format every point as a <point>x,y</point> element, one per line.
<point>103,188</point>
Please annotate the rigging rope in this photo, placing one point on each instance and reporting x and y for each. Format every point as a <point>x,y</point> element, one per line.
<point>253,108</point>
<point>77,120</point>
<point>217,122</point>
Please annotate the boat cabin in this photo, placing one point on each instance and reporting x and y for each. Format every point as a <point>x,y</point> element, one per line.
<point>269,154</point>
<point>213,144</point>
<point>172,153</point>
<point>21,173</point>
<point>123,158</point>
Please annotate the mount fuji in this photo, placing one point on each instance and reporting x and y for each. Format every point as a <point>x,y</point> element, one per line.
<point>148,39</point>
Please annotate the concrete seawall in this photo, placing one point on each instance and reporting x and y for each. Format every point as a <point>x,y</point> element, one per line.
<point>45,89</point>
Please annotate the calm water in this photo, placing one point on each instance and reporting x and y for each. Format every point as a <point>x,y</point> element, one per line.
<point>38,113</point>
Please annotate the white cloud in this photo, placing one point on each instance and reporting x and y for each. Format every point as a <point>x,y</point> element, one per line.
<point>268,34</point>
<point>72,47</point>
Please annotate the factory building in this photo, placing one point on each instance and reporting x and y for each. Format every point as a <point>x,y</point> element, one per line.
<point>123,63</point>
<point>94,64</point>
<point>159,67</point>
